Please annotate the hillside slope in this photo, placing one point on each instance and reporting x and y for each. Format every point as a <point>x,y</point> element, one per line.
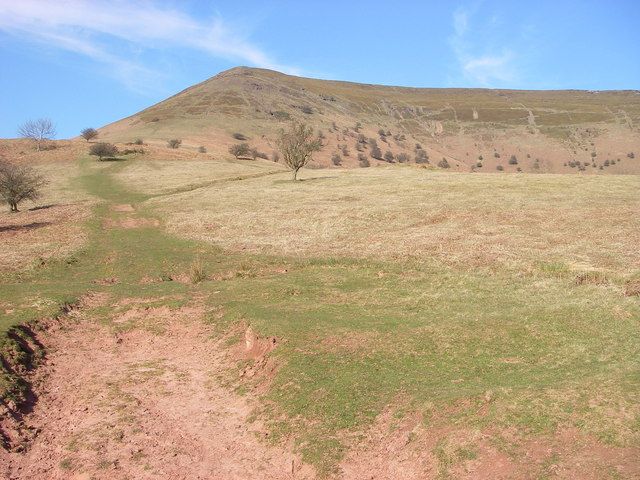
<point>473,129</point>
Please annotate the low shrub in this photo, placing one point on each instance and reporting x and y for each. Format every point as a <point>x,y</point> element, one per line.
<point>444,163</point>
<point>174,143</point>
<point>336,159</point>
<point>202,149</point>
<point>500,168</point>
<point>513,160</point>
<point>239,136</point>
<point>363,160</point>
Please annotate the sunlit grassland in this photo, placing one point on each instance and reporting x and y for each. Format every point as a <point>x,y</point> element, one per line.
<point>393,288</point>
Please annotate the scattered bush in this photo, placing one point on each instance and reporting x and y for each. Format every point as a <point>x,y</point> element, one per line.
<point>18,183</point>
<point>239,136</point>
<point>240,150</point>
<point>594,154</point>
<point>388,156</point>
<point>500,168</point>
<point>422,157</point>
<point>375,152</point>
<point>373,143</point>
<point>631,155</point>
<point>480,157</point>
<point>255,153</point>
<point>444,163</point>
<point>202,149</point>
<point>606,163</point>
<point>479,164</point>
<point>138,141</point>
<point>496,155</point>
<point>345,151</point>
<point>336,159</point>
<point>174,143</point>
<point>361,138</point>
<point>131,151</point>
<point>306,109</point>
<point>279,115</point>
<point>102,150</point>
<point>382,133</point>
<point>89,133</point>
<point>418,146</point>
<point>402,158</point>
<point>363,160</point>
<point>513,160</point>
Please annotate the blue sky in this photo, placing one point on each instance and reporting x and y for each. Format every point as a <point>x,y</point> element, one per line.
<point>90,62</point>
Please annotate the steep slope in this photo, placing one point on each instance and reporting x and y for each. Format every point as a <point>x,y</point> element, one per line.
<point>473,129</point>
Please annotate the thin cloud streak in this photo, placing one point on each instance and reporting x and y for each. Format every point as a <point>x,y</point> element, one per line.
<point>86,27</point>
<point>484,68</point>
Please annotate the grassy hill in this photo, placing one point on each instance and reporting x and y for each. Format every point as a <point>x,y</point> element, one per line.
<point>473,129</point>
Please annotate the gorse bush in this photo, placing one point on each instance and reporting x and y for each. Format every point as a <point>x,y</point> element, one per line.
<point>336,159</point>
<point>402,157</point>
<point>513,160</point>
<point>444,163</point>
<point>240,136</point>
<point>174,143</point>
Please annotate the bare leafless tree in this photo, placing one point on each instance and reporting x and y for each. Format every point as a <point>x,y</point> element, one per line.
<point>18,183</point>
<point>297,145</point>
<point>38,130</point>
<point>89,134</point>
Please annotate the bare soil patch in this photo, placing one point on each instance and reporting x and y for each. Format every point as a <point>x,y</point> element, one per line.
<point>143,403</point>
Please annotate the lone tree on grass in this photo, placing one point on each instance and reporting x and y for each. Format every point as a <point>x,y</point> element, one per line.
<point>18,183</point>
<point>39,131</point>
<point>240,150</point>
<point>102,150</point>
<point>297,146</point>
<point>89,133</point>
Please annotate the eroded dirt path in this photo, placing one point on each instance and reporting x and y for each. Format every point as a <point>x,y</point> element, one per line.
<point>146,402</point>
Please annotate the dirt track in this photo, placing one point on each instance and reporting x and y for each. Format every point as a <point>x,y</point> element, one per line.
<point>143,404</point>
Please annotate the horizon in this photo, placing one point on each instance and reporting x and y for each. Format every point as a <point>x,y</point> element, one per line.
<point>136,54</point>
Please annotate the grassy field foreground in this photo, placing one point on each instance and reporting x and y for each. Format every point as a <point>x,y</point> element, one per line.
<point>492,311</point>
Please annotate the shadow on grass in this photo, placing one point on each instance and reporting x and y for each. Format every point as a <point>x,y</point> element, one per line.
<point>304,180</point>
<point>21,228</point>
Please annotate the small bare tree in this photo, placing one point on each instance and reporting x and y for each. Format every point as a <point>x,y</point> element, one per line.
<point>18,183</point>
<point>38,130</point>
<point>297,145</point>
<point>89,134</point>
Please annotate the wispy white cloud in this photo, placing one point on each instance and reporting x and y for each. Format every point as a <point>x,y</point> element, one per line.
<point>109,31</point>
<point>485,65</point>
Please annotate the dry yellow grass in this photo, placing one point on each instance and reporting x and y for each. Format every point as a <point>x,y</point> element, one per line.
<point>163,176</point>
<point>573,223</point>
<point>49,228</point>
